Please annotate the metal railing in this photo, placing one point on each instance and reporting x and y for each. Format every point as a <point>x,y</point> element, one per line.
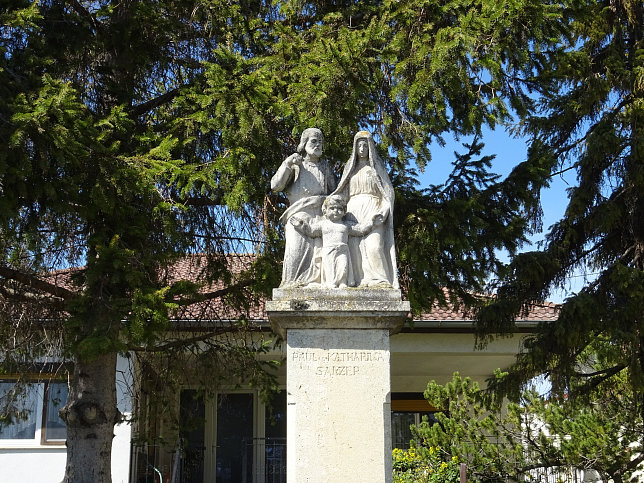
<point>562,475</point>
<point>264,460</point>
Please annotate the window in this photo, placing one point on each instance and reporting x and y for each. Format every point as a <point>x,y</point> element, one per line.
<point>235,437</point>
<point>234,434</point>
<point>193,417</point>
<point>54,429</point>
<point>248,438</point>
<point>20,410</point>
<point>407,409</point>
<point>29,413</point>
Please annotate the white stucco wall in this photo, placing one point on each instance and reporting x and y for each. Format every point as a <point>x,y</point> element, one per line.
<point>43,464</point>
<point>123,432</point>
<point>417,358</point>
<point>35,463</point>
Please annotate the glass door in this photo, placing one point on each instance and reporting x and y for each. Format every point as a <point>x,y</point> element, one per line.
<point>234,431</point>
<point>247,439</point>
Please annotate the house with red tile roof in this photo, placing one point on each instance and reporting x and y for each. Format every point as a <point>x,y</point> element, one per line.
<point>234,434</point>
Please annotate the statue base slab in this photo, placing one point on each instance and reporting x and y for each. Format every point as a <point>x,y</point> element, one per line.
<point>348,308</point>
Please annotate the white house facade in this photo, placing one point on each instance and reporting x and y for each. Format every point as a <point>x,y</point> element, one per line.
<point>243,438</point>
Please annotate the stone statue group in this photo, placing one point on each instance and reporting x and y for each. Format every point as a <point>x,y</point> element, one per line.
<point>337,235</point>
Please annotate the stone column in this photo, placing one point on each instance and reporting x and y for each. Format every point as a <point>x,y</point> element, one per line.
<point>338,381</point>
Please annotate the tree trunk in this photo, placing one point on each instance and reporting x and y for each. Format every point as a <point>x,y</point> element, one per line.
<point>90,414</point>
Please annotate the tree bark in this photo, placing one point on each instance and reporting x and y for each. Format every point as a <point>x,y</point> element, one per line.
<point>90,414</point>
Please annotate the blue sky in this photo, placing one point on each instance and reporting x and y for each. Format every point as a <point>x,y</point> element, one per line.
<point>509,151</point>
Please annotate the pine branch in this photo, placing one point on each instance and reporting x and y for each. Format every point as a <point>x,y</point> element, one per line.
<point>37,284</point>
<point>181,342</point>
<point>605,372</point>
<point>213,295</point>
<point>597,379</point>
<point>631,465</point>
<point>612,115</point>
<point>147,106</point>
<point>227,290</point>
<point>27,297</point>
<point>83,12</point>
<point>201,201</point>
<point>228,238</point>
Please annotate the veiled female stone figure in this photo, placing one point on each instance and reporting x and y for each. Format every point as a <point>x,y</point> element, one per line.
<point>365,184</point>
<point>306,179</point>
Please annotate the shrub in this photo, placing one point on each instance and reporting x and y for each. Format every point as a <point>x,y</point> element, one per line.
<point>424,465</point>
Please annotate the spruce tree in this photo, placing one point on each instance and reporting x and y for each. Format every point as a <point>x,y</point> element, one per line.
<point>587,88</point>
<point>136,132</point>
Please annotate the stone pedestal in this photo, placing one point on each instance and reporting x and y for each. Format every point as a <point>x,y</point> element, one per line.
<point>338,381</point>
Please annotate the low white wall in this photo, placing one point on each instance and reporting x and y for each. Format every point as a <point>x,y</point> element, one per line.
<point>42,465</point>
<point>47,464</point>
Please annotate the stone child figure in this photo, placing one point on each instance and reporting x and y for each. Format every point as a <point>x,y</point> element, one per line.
<point>335,232</point>
<point>306,179</point>
<point>366,185</point>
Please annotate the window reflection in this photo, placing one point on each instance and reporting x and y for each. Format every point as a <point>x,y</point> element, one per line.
<point>401,434</point>
<point>18,410</point>
<point>30,412</point>
<point>55,429</point>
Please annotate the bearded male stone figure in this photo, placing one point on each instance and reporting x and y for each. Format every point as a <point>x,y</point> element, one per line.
<point>306,179</point>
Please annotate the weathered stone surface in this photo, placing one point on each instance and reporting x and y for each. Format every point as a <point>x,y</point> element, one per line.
<point>347,294</point>
<point>339,426</point>
<point>366,186</point>
<point>356,308</point>
<point>345,238</point>
<point>336,267</point>
<point>338,380</point>
<point>307,179</point>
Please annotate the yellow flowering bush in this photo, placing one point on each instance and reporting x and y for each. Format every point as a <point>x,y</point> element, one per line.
<point>424,465</point>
